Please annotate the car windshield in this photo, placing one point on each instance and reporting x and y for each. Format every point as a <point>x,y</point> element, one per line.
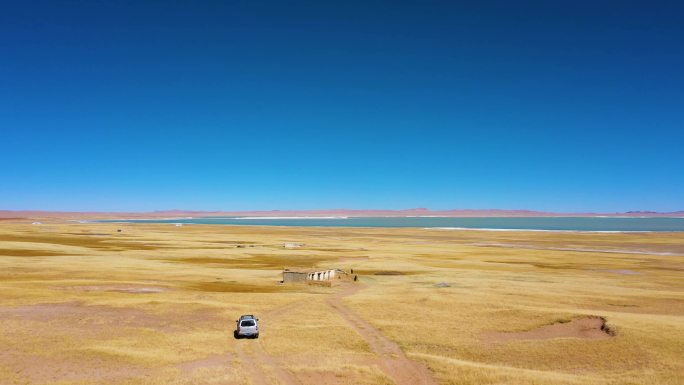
<point>247,323</point>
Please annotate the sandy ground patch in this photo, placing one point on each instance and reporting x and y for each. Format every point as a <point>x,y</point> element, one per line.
<point>133,289</point>
<point>586,328</point>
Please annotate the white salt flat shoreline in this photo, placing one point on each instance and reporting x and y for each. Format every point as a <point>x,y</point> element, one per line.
<point>544,230</point>
<point>256,218</point>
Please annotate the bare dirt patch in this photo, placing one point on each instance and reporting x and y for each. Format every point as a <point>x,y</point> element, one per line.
<point>98,243</point>
<point>75,311</point>
<point>592,327</point>
<point>133,289</point>
<point>279,261</point>
<point>618,271</point>
<point>237,287</point>
<point>70,369</point>
<point>349,375</point>
<point>574,249</point>
<point>259,261</point>
<point>28,253</point>
<point>92,318</point>
<point>385,272</point>
<point>213,360</point>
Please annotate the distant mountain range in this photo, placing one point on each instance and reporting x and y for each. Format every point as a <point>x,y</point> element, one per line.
<point>7,214</point>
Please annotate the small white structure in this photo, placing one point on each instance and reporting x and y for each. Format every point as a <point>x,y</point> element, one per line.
<point>179,225</point>
<point>314,275</point>
<point>36,223</point>
<point>322,275</point>
<point>292,245</point>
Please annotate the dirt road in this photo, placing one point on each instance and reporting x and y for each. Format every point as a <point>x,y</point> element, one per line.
<point>391,358</point>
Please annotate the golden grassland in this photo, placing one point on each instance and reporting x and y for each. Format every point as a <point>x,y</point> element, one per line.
<point>156,304</point>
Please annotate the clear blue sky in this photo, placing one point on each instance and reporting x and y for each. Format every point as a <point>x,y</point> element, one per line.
<point>145,105</point>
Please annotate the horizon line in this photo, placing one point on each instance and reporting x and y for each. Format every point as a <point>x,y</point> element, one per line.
<point>362,212</point>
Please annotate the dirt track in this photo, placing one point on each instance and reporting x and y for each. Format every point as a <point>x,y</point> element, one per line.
<point>254,358</point>
<point>390,358</point>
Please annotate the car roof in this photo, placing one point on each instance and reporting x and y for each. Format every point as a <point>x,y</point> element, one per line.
<point>247,316</point>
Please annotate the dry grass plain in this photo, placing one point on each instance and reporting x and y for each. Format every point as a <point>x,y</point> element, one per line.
<point>156,304</point>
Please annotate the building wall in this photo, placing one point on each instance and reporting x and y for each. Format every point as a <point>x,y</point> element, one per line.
<point>294,276</point>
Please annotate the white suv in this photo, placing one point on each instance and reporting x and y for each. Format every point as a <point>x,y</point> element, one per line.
<point>247,326</point>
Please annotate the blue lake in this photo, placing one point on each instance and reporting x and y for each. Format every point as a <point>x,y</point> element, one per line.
<point>492,223</point>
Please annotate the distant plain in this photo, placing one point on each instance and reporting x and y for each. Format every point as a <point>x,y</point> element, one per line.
<point>156,304</point>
